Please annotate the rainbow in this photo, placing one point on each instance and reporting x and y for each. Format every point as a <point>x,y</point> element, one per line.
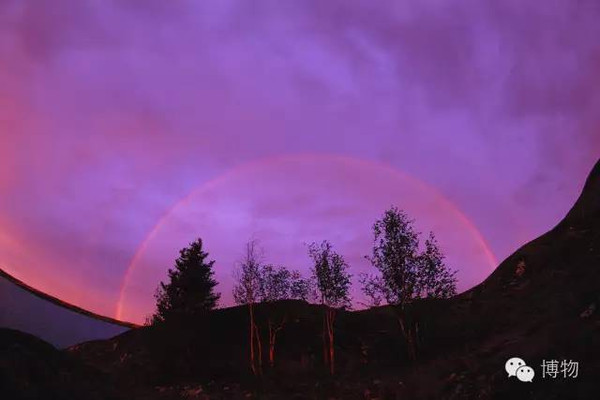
<point>244,168</point>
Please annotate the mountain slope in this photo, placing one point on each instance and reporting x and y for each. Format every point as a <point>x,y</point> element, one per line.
<point>540,304</point>
<point>33,369</point>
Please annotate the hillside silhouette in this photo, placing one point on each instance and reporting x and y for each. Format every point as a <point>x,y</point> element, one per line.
<point>540,303</point>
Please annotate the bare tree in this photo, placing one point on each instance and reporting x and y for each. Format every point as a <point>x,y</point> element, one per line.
<point>330,272</point>
<point>404,273</point>
<point>247,291</point>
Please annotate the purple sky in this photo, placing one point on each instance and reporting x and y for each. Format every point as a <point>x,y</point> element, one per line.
<point>111,112</point>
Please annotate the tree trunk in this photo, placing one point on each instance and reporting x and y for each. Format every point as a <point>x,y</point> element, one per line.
<point>273,330</point>
<point>409,337</point>
<point>272,339</point>
<point>254,340</point>
<point>271,345</point>
<point>325,333</point>
<point>272,351</point>
<point>259,349</point>
<point>252,365</point>
<point>331,318</point>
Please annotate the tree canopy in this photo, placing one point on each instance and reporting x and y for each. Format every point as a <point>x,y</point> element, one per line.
<point>404,271</point>
<point>330,272</point>
<point>190,291</point>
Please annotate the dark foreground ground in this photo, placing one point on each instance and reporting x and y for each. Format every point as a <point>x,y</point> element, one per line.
<point>540,304</point>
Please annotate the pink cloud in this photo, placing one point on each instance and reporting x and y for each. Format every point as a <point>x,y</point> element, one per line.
<point>111,112</point>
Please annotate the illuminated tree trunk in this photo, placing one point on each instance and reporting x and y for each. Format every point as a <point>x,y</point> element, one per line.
<point>330,321</point>
<point>328,339</point>
<point>273,330</point>
<point>325,334</point>
<point>272,337</point>
<point>251,311</point>
<point>409,337</point>
<point>254,339</point>
<point>259,348</point>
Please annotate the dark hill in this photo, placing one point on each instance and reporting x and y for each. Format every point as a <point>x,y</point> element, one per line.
<point>540,304</point>
<point>33,369</point>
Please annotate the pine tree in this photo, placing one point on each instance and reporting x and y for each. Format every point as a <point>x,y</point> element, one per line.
<point>190,291</point>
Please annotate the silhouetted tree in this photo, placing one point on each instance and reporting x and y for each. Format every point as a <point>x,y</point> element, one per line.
<point>330,273</point>
<point>405,273</point>
<point>371,287</point>
<point>279,283</point>
<point>247,291</point>
<point>190,291</point>
<point>300,288</point>
<point>436,280</point>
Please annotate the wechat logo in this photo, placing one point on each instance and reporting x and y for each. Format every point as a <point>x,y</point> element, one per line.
<point>516,367</point>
